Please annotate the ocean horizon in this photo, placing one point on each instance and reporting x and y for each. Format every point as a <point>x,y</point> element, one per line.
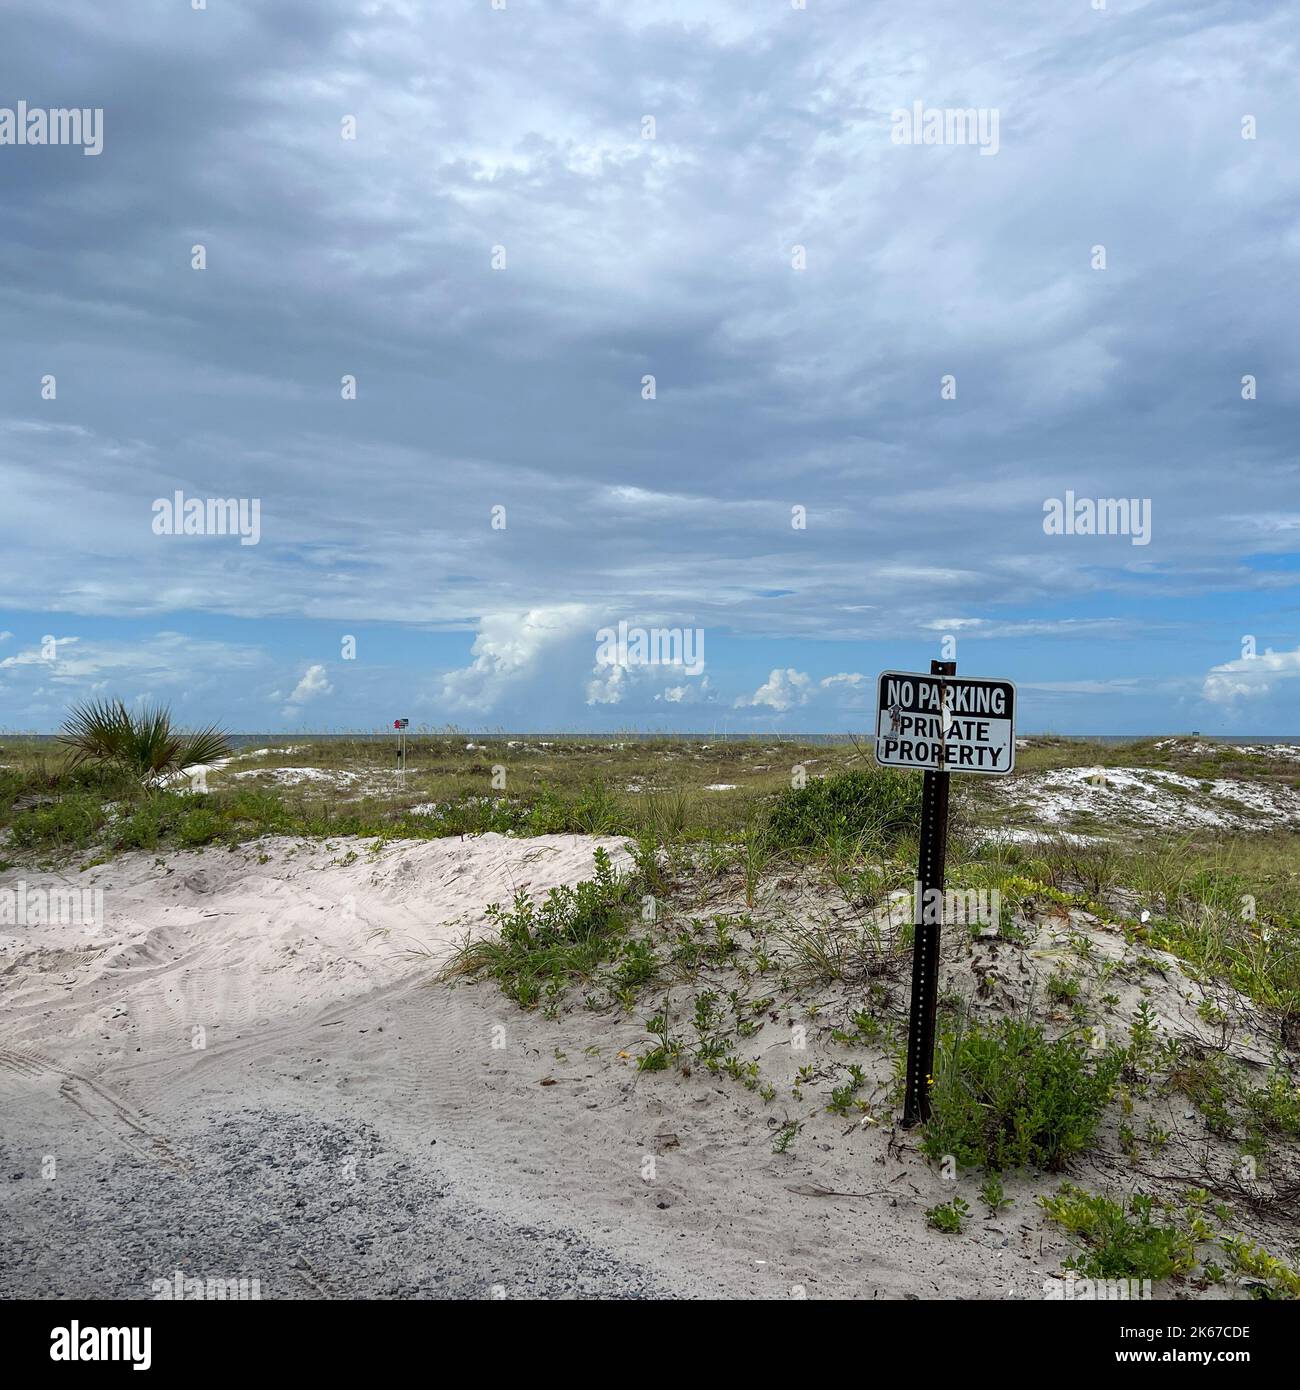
<point>244,740</point>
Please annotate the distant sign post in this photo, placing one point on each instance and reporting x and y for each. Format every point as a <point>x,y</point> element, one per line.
<point>937,724</point>
<point>401,726</point>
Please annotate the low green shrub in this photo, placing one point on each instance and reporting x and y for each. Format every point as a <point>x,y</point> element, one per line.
<point>1275,1106</point>
<point>73,821</point>
<point>540,947</point>
<point>1005,1097</point>
<point>1275,1279</point>
<point>1120,1240</point>
<point>877,805</point>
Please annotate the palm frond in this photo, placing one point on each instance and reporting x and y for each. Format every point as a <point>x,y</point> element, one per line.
<point>144,744</point>
<point>97,730</point>
<point>203,746</point>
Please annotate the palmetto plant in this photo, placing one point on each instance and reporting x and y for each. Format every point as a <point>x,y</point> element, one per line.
<point>143,744</point>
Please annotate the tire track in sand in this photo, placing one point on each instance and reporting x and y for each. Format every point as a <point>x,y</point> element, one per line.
<point>122,1122</point>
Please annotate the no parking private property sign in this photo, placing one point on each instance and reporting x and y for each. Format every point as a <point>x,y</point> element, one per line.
<point>945,723</point>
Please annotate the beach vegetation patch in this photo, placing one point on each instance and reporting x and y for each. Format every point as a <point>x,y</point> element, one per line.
<point>1006,1097</point>
<point>142,742</point>
<point>869,806</point>
<point>541,947</point>
<point>74,820</point>
<point>1120,1240</point>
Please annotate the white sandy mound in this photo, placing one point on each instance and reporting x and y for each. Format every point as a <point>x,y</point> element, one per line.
<point>1290,751</point>
<point>274,931</point>
<point>291,776</point>
<point>1151,796</point>
<point>1285,751</point>
<point>1002,835</point>
<point>349,784</point>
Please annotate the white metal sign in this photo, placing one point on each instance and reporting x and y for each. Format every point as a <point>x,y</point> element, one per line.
<point>945,723</point>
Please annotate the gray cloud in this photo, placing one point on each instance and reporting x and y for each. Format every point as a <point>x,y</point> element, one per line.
<point>672,257</point>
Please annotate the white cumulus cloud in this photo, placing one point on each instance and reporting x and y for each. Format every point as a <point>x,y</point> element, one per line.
<point>694,693</point>
<point>312,686</point>
<point>607,685</point>
<point>1250,677</point>
<point>511,650</point>
<point>783,690</point>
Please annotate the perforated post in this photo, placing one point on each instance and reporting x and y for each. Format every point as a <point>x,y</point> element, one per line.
<point>926,925</point>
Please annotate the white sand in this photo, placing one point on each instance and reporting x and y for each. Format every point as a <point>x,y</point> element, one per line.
<point>206,1063</point>
<point>219,940</point>
<point>202,1064</point>
<point>1149,796</point>
<point>291,776</point>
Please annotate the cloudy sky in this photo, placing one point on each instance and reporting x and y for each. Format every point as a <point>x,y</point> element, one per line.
<point>653,318</point>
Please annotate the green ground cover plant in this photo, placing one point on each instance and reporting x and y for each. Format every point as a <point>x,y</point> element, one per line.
<point>1005,1096</point>
<point>542,947</point>
<point>1120,1239</point>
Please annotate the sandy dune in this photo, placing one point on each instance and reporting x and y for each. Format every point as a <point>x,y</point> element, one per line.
<point>244,1072</point>
<point>1150,798</point>
<point>241,1072</point>
<point>270,933</point>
